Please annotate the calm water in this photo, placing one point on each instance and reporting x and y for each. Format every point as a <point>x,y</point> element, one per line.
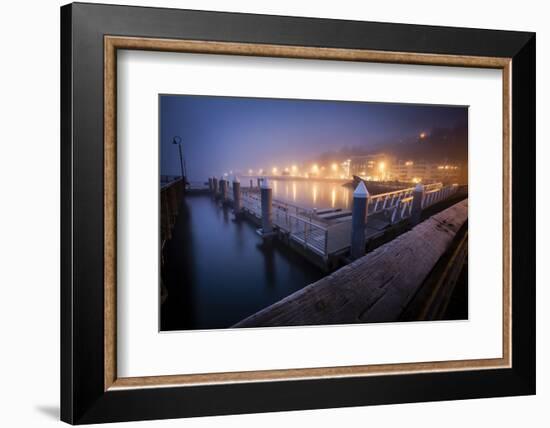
<point>218,272</point>
<point>314,194</point>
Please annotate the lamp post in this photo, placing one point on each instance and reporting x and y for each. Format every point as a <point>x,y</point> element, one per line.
<point>177,140</point>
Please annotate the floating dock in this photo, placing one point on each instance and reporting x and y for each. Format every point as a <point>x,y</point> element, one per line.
<point>379,286</point>
<point>324,236</point>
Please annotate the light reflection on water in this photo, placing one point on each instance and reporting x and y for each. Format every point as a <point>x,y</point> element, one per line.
<point>311,194</point>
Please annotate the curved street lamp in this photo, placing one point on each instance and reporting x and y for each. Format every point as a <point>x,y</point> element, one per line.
<point>177,140</point>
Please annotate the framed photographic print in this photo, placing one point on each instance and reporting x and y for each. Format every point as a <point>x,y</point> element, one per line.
<point>265,213</point>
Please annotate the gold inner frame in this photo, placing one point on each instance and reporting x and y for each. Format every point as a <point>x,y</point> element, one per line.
<point>113,43</point>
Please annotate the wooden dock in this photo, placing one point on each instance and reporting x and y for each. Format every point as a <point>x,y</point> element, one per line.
<point>170,197</point>
<point>374,288</point>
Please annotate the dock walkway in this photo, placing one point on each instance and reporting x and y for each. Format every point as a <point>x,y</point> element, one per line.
<point>376,287</point>
<point>327,232</point>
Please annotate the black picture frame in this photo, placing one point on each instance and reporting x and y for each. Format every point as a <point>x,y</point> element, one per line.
<point>83,398</point>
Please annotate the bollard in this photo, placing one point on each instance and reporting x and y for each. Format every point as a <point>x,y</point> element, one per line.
<point>259,182</point>
<point>266,200</point>
<point>251,184</point>
<point>359,220</point>
<point>236,196</point>
<point>214,185</point>
<point>418,197</point>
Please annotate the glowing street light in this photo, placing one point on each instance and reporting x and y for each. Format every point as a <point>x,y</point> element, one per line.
<point>315,169</point>
<point>382,166</point>
<point>274,170</point>
<point>334,167</point>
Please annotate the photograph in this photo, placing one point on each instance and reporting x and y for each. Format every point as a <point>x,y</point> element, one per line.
<point>293,212</point>
<point>280,210</point>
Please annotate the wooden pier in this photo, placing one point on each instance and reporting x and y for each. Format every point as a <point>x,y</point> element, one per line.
<point>170,196</point>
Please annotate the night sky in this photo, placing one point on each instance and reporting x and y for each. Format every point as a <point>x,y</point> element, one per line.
<point>220,134</point>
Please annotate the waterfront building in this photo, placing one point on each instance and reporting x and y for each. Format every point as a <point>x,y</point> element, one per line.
<point>373,167</point>
<point>426,172</point>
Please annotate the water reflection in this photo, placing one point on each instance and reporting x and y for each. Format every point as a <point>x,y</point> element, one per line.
<point>312,194</point>
<point>317,193</point>
<point>217,271</point>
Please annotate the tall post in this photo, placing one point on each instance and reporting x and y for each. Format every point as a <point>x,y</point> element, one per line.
<point>181,163</point>
<point>359,220</point>
<point>251,184</point>
<point>214,185</point>
<point>418,197</point>
<point>210,184</point>
<point>236,197</point>
<point>223,189</point>
<point>259,182</point>
<point>266,200</point>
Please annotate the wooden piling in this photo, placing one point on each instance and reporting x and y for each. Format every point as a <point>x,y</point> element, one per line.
<point>359,220</point>
<point>236,196</point>
<point>266,201</point>
<point>223,189</point>
<point>418,198</point>
<point>215,185</point>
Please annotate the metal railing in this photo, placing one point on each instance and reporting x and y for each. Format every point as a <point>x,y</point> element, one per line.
<point>388,201</point>
<point>392,200</point>
<point>324,239</point>
<point>290,219</point>
<point>435,195</point>
<point>303,231</point>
